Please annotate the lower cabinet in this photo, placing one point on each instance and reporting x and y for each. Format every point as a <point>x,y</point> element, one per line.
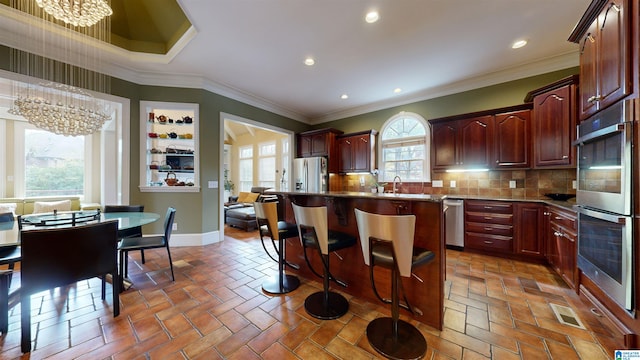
<point>561,251</point>
<point>529,232</point>
<point>489,226</point>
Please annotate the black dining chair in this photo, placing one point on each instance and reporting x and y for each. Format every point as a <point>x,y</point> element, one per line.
<point>54,257</point>
<point>146,243</point>
<point>9,255</point>
<point>132,232</point>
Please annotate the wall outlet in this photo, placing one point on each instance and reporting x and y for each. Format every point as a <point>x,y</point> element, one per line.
<point>175,226</point>
<point>361,180</point>
<point>512,184</point>
<point>574,184</point>
<point>452,183</point>
<point>436,183</point>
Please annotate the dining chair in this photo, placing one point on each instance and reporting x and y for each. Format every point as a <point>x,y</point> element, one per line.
<point>9,255</point>
<point>146,243</point>
<point>131,232</point>
<point>54,257</point>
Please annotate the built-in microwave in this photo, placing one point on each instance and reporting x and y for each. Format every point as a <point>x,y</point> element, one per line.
<point>604,160</point>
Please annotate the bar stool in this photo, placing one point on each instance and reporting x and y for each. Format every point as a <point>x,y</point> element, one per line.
<point>312,225</point>
<point>387,241</point>
<point>267,217</point>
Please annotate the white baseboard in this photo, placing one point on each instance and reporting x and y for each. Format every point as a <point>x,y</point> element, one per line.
<point>195,239</point>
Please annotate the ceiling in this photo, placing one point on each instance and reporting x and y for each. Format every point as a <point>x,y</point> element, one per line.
<point>253,51</point>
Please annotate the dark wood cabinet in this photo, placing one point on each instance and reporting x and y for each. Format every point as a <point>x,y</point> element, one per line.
<point>491,139</point>
<point>529,230</point>
<point>464,143</point>
<point>356,152</point>
<point>561,238</point>
<point>605,56</point>
<point>488,226</point>
<point>512,145</point>
<point>554,124</point>
<point>319,143</point>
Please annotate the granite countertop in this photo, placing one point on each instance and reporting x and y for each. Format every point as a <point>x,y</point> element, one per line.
<point>369,195</point>
<point>568,205</point>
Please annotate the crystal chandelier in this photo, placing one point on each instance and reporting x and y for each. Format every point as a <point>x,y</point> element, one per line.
<point>59,102</point>
<point>76,12</point>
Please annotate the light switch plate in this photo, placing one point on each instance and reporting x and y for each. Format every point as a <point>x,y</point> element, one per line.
<point>512,184</point>
<point>213,184</point>
<point>452,183</point>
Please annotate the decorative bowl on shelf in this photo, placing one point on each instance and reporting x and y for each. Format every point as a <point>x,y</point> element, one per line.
<point>560,197</point>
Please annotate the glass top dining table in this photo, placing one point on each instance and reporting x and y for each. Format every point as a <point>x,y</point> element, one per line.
<point>10,232</point>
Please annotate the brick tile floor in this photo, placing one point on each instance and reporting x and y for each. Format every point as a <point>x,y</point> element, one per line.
<point>494,308</point>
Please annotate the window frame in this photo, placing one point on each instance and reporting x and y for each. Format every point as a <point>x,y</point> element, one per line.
<point>242,159</point>
<point>426,139</point>
<point>261,157</point>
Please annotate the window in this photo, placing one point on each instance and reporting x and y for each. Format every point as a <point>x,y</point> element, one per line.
<point>50,164</point>
<point>267,164</point>
<point>246,168</point>
<point>404,148</point>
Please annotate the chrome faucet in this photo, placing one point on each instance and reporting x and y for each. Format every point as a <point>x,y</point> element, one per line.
<point>394,183</point>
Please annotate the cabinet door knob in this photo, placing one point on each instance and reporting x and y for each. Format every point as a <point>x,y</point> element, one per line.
<point>564,157</point>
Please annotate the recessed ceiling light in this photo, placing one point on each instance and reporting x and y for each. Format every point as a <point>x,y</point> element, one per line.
<point>397,90</point>
<point>309,61</point>
<point>371,17</point>
<point>518,44</point>
<point>344,96</point>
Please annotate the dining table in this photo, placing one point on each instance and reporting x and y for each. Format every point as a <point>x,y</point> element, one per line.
<point>10,231</point>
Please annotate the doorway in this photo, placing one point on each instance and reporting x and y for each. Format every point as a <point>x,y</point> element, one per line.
<point>252,154</point>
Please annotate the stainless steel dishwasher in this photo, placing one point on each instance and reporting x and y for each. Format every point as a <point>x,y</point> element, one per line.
<point>454,223</point>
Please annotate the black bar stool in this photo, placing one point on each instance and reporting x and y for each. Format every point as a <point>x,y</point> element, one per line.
<point>267,216</point>
<point>314,233</point>
<point>387,241</point>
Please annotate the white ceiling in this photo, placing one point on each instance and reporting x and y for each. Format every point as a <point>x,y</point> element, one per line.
<point>253,50</point>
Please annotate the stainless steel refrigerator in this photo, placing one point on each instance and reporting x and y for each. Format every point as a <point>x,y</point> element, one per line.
<point>310,174</point>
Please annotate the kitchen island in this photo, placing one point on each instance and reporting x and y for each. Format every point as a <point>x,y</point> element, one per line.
<point>425,290</point>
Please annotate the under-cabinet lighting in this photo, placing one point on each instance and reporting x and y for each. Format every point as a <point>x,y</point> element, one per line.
<point>606,167</point>
<point>465,170</point>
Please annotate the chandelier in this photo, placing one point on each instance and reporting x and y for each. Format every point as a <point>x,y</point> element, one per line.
<point>59,102</point>
<point>76,12</point>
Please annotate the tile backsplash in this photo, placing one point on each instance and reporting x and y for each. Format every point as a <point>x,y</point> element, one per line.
<point>516,184</point>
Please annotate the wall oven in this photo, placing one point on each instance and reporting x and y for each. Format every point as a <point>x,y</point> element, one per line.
<point>604,199</point>
<point>604,160</point>
<point>605,253</point>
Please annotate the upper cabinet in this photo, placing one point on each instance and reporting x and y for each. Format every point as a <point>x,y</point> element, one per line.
<point>320,143</point>
<point>492,139</point>
<point>604,37</point>
<point>356,152</point>
<point>554,124</point>
<point>462,143</point>
<point>512,145</point>
<point>168,147</point>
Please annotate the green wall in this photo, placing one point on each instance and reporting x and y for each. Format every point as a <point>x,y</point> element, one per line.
<point>491,97</point>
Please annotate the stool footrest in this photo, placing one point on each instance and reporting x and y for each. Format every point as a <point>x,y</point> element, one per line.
<point>408,344</point>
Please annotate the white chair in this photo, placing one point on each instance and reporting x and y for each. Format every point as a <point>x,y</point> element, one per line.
<point>387,241</point>
<point>314,233</point>
<point>268,225</point>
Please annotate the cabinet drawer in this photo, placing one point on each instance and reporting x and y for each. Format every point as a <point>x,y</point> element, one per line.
<point>489,229</point>
<point>489,242</point>
<point>489,206</point>
<point>489,218</point>
<point>565,220</point>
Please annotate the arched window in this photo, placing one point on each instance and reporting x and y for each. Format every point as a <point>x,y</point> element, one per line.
<point>404,148</point>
